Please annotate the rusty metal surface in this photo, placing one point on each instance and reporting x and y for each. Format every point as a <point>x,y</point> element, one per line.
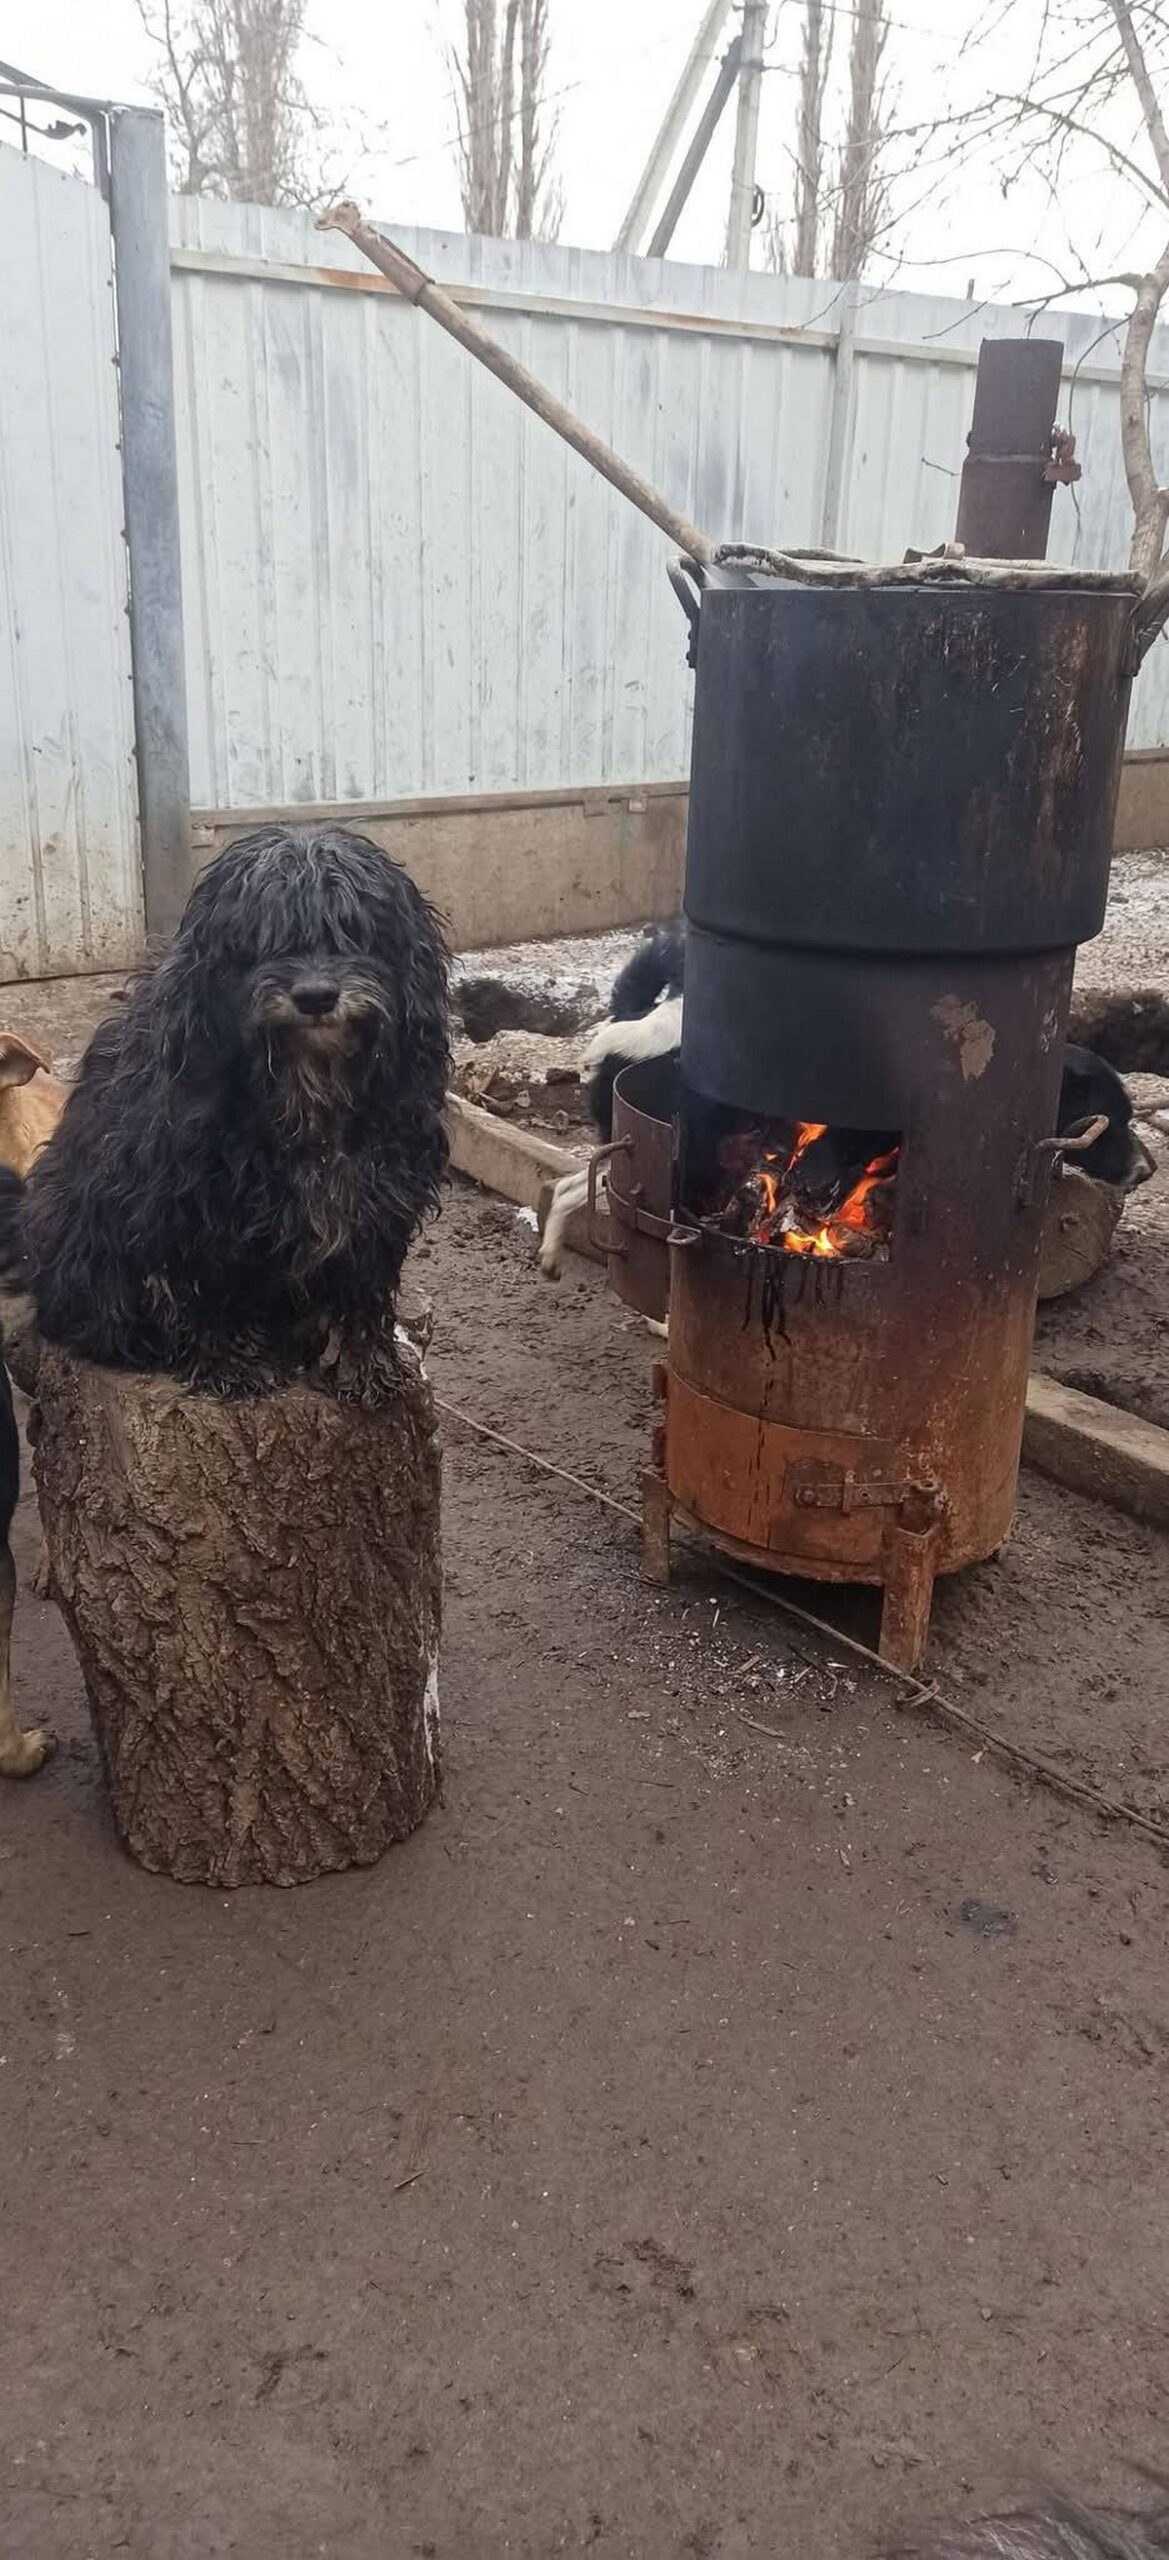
<point>1061,468</point>
<point>906,768</point>
<point>1004,503</point>
<point>807,1398</point>
<point>901,810</point>
<point>640,1186</point>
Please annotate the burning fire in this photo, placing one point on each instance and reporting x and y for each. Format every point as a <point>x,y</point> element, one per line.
<point>786,1194</point>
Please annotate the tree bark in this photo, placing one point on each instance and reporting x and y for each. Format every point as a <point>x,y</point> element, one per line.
<point>254,1593</point>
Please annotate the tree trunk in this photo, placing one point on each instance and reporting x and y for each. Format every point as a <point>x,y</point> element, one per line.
<point>254,1593</point>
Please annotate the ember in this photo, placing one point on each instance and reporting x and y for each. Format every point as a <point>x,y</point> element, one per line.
<point>806,1188</point>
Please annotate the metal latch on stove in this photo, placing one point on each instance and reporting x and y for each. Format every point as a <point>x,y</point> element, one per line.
<point>817,1487</point>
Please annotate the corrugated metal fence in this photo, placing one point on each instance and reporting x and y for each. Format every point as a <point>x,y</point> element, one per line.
<point>398,583</point>
<point>70,882</point>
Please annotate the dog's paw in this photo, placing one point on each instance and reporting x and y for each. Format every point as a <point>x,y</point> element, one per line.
<point>369,1376</point>
<point>416,1323</point>
<point>597,1047</point>
<point>548,1263</point>
<point>25,1753</point>
<point>230,1379</point>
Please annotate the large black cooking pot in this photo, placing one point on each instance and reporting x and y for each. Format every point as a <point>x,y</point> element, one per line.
<point>889,767</point>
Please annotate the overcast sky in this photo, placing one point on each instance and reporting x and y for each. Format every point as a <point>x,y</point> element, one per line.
<point>379,68</point>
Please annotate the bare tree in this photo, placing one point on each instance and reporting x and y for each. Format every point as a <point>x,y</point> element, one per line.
<point>814,65</point>
<point>1150,501</point>
<point>841,192</point>
<point>539,204</point>
<point>1098,78</point>
<point>485,72</point>
<point>240,122</point>
<point>506,145</point>
<point>862,203</point>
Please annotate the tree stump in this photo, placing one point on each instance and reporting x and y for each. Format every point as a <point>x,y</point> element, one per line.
<point>254,1593</point>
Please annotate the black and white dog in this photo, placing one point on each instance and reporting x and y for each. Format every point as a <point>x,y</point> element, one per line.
<point>254,1140</point>
<point>645,1021</point>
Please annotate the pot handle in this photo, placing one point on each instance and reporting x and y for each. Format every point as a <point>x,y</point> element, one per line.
<point>687,580</point>
<point>1051,1151</point>
<point>601,1237</point>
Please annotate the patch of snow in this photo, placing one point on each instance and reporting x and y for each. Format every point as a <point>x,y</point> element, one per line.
<point>561,967</point>
<point>430,1713</point>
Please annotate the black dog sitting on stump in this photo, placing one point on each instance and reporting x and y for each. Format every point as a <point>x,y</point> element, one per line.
<point>253,1142</point>
<point>235,1451</point>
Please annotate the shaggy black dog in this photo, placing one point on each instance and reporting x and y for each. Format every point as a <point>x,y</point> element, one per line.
<point>251,1146</point>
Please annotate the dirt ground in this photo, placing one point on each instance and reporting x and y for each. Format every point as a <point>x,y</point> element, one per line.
<point>735,2120</point>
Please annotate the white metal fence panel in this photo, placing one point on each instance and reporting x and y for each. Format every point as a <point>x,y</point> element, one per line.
<point>398,583</point>
<point>70,875</point>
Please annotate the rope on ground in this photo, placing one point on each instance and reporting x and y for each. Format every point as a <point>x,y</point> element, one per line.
<point>913,1693</point>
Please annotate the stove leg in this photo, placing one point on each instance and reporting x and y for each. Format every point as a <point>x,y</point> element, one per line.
<point>910,1565</point>
<point>655,1526</point>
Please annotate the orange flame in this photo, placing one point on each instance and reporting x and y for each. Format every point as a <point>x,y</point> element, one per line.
<point>855,1215</point>
<point>851,1218</point>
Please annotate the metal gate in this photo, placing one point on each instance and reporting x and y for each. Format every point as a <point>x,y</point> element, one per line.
<point>70,865</point>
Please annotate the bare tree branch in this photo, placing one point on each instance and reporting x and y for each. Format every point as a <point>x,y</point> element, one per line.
<point>241,124</point>
<point>863,192</point>
<point>814,65</point>
<point>1149,501</point>
<point>1138,67</point>
<point>505,194</point>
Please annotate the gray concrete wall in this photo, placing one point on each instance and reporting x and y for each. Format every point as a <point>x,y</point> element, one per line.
<point>522,866</point>
<point>514,867</point>
<point>1142,820</point>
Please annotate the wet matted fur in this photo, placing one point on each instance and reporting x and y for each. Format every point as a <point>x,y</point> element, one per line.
<point>254,1139</point>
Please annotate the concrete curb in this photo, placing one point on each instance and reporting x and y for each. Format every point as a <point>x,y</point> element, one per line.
<point>512,1162</point>
<point>1095,1448</point>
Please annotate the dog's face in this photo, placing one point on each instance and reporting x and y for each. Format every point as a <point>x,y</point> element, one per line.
<point>314,953</point>
<point>321,1002</point>
<point>320,1017</point>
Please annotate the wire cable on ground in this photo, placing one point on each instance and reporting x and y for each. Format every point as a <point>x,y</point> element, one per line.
<point>913,1693</point>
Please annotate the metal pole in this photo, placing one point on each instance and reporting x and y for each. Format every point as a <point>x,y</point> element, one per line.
<point>649,185</point>
<point>839,419</point>
<point>1008,477</point>
<point>421,289</point>
<point>150,488</point>
<point>746,135</point>
<point>728,72</point>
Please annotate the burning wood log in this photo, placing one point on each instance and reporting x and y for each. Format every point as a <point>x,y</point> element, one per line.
<point>253,1590</point>
<point>810,1190</point>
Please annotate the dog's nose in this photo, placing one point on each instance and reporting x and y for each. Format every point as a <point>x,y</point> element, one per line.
<point>315,997</point>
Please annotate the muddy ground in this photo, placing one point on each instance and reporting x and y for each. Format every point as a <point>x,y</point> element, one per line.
<point>735,2120</point>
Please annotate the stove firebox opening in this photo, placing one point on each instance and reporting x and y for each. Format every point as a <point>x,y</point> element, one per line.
<point>798,1187</point>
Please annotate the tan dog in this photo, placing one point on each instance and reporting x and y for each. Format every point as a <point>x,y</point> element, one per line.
<point>31,1102</point>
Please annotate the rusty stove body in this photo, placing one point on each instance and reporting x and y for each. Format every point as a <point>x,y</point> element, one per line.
<point>901,815</point>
